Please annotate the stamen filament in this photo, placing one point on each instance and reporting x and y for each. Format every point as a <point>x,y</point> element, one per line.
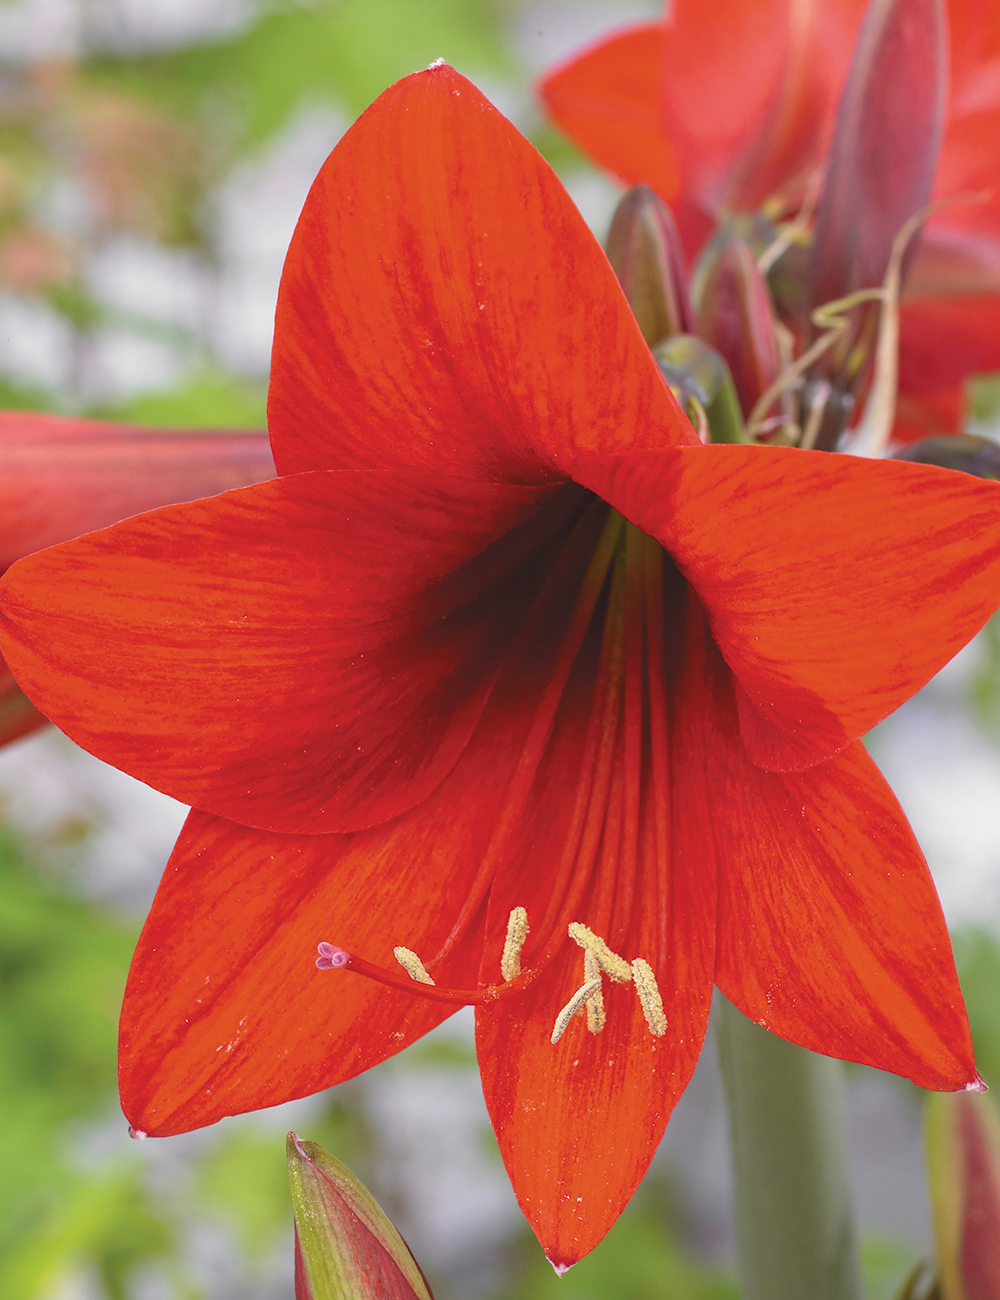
<point>433,992</point>
<point>572,1007</point>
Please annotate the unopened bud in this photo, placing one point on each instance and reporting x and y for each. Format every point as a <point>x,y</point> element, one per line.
<point>885,148</point>
<point>696,371</point>
<point>645,251</point>
<point>736,315</point>
<point>345,1246</point>
<point>963,451</point>
<point>962,1134</point>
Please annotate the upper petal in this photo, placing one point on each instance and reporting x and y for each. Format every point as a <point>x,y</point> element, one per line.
<point>308,654</point>
<point>835,587</point>
<point>444,306</point>
<point>60,477</point>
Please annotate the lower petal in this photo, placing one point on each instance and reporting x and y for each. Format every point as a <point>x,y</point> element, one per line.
<point>830,930</point>
<point>578,1121</point>
<point>225,1011</point>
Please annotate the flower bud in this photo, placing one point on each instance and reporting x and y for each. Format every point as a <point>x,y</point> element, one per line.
<point>885,147</point>
<point>736,315</point>
<point>345,1246</point>
<point>645,251</point>
<point>962,1135</point>
<point>694,370</point>
<point>962,451</point>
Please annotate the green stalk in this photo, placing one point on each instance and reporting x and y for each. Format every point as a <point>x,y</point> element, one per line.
<point>794,1226</point>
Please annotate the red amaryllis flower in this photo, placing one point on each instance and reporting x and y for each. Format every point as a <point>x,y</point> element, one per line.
<point>507,672</point>
<point>60,477</point>
<point>726,107</point>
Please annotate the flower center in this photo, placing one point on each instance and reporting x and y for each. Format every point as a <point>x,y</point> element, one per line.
<point>598,960</point>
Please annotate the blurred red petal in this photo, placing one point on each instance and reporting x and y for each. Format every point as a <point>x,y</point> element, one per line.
<point>927,415</point>
<point>60,477</point>
<point>749,93</point>
<point>18,716</point>
<point>942,340</point>
<point>607,100</point>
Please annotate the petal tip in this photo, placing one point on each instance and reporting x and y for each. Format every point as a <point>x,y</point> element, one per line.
<point>978,1084</point>
<point>560,1269</point>
<point>137,1134</point>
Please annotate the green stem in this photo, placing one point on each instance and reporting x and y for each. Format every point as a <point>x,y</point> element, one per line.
<point>793,1212</point>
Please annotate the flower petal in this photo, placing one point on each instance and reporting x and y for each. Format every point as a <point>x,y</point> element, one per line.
<point>310,654</point>
<point>830,931</point>
<point>928,414</point>
<point>578,1121</point>
<point>225,1010</point>
<point>607,100</point>
<point>61,477</point>
<point>18,716</point>
<point>944,339</point>
<point>835,587</point>
<point>444,306</point>
<point>749,93</point>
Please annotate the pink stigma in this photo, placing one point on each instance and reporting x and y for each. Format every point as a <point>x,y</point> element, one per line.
<point>331,958</point>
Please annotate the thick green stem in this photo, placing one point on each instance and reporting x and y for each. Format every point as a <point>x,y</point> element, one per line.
<point>793,1212</point>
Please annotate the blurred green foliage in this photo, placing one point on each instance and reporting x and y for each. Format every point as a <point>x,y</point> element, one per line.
<point>977,956</point>
<point>638,1260</point>
<point>342,53</point>
<point>62,970</point>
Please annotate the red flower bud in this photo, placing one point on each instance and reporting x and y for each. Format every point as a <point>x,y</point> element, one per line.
<point>645,250</point>
<point>885,149</point>
<point>736,315</point>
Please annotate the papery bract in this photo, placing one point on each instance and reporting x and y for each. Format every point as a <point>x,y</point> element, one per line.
<point>505,677</point>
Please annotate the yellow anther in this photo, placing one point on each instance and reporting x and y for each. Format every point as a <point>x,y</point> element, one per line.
<point>649,997</point>
<point>412,964</point>
<point>596,1017</point>
<point>517,932</point>
<point>613,965</point>
<point>572,1007</point>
